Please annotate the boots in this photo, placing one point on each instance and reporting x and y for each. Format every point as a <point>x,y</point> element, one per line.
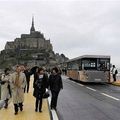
<point>21,106</point>
<point>16,109</point>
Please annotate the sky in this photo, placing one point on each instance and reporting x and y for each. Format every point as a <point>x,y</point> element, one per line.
<point>75,27</point>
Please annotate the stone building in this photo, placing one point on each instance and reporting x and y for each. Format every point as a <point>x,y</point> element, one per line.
<point>34,40</point>
<point>31,49</point>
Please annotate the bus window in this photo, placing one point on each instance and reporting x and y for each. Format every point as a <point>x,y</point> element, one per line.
<point>75,66</point>
<point>82,66</point>
<point>69,67</point>
<point>101,66</point>
<point>104,64</point>
<point>89,64</point>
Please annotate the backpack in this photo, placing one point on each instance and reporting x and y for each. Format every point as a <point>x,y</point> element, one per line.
<point>116,72</point>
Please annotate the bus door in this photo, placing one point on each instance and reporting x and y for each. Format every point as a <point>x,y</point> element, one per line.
<point>104,67</point>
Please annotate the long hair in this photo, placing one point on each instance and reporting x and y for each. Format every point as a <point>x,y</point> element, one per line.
<point>17,80</point>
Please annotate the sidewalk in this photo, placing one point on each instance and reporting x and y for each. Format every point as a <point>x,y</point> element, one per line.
<point>117,83</point>
<point>29,109</point>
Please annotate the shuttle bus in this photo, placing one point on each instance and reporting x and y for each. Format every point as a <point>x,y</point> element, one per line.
<point>89,68</point>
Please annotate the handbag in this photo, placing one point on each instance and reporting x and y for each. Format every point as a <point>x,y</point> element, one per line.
<point>46,94</point>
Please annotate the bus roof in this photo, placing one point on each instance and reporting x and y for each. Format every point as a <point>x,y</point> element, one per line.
<point>89,56</point>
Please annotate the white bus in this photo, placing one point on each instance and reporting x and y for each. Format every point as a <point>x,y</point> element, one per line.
<point>89,68</point>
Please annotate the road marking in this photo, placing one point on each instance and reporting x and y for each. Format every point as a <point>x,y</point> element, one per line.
<point>73,82</point>
<point>110,96</point>
<point>80,84</point>
<point>76,83</point>
<point>53,112</point>
<point>90,88</point>
<point>55,117</point>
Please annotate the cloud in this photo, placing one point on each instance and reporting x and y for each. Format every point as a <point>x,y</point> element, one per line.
<point>74,27</point>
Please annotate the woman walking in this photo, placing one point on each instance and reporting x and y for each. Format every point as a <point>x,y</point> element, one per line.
<point>18,82</point>
<point>39,89</point>
<point>6,92</point>
<point>55,82</point>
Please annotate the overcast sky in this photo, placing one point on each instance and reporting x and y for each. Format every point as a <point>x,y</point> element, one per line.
<point>75,27</point>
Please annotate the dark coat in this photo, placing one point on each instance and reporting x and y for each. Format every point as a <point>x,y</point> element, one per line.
<point>27,74</point>
<point>55,82</point>
<point>35,78</point>
<point>40,87</point>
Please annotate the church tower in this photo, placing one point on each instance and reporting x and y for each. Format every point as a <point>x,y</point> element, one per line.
<point>32,30</point>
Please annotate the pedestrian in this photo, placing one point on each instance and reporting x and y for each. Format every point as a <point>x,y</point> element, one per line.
<point>35,74</point>
<point>55,83</point>
<point>39,89</point>
<point>23,71</point>
<point>45,73</point>
<point>114,72</point>
<point>5,88</point>
<point>27,74</point>
<point>18,82</point>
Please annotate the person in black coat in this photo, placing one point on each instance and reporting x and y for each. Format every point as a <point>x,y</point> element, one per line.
<point>55,83</point>
<point>35,73</point>
<point>27,74</point>
<point>39,89</point>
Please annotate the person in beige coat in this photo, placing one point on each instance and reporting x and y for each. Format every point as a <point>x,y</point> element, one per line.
<point>5,88</point>
<point>18,82</point>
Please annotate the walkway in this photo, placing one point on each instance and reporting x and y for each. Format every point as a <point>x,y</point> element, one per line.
<point>29,110</point>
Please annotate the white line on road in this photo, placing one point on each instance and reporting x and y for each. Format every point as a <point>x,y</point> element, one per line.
<point>80,84</point>
<point>54,114</point>
<point>73,81</point>
<point>77,83</point>
<point>110,96</point>
<point>55,117</point>
<point>90,88</point>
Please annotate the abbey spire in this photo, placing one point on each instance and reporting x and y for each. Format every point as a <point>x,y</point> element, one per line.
<point>32,27</point>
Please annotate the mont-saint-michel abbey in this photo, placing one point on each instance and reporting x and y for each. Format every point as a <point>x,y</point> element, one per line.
<point>31,49</point>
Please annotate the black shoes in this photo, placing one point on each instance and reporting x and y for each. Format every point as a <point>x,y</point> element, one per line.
<point>37,110</point>
<point>16,113</point>
<point>40,111</point>
<point>6,106</point>
<point>21,106</point>
<point>17,107</point>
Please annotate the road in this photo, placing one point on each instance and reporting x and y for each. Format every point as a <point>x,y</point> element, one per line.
<point>88,102</point>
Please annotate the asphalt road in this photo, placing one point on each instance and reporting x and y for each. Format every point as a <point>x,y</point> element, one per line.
<point>88,101</point>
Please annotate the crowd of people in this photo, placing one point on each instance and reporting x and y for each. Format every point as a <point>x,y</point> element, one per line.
<point>15,84</point>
